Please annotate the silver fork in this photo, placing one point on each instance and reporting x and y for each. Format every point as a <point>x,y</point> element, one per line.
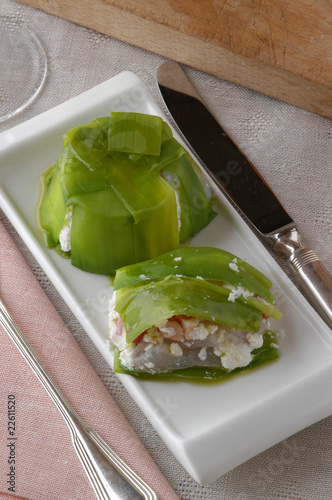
<point>109,476</point>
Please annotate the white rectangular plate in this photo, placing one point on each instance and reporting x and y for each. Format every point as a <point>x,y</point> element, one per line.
<point>209,428</point>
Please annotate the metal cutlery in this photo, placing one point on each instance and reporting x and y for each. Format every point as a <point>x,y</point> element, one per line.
<point>109,476</point>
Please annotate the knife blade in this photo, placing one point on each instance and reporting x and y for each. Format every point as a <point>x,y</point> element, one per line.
<point>238,178</point>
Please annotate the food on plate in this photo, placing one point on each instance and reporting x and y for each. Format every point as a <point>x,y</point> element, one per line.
<point>122,191</point>
<point>194,312</point>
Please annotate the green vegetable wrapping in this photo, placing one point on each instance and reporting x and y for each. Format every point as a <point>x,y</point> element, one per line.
<point>108,202</point>
<point>192,313</point>
<point>204,262</point>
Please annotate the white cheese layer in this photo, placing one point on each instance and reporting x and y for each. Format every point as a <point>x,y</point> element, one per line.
<point>206,343</point>
<point>116,329</point>
<point>65,233</point>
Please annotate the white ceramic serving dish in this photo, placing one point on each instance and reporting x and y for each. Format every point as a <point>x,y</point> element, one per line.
<point>209,428</point>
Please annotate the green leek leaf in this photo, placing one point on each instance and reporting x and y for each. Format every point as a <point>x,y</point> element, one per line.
<point>89,143</point>
<point>140,192</point>
<point>136,133</point>
<point>102,232</point>
<point>170,151</point>
<point>142,306</point>
<point>52,209</point>
<point>76,177</point>
<point>206,262</point>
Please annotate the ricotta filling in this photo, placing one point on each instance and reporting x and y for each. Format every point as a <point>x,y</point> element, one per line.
<point>65,233</point>
<point>184,341</point>
<point>174,181</point>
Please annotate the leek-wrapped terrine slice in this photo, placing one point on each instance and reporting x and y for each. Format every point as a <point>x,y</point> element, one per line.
<point>195,312</point>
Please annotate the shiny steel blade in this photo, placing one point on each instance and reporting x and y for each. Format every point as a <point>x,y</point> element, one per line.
<point>234,172</point>
<point>240,180</point>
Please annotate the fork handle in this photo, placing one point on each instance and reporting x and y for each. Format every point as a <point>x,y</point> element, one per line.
<point>109,476</point>
<point>115,481</point>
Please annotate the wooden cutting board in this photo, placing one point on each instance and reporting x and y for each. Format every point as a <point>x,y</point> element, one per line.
<point>282,48</point>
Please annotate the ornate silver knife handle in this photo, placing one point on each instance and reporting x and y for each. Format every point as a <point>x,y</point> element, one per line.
<point>109,476</point>
<point>308,270</point>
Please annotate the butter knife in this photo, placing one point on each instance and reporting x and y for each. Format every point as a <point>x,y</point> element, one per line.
<point>239,179</point>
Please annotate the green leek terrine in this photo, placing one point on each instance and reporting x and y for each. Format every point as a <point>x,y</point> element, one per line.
<point>195,312</point>
<point>122,191</point>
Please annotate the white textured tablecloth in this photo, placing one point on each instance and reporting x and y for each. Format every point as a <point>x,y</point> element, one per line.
<point>292,148</point>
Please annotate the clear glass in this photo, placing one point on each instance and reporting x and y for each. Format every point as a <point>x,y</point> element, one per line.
<point>23,67</point>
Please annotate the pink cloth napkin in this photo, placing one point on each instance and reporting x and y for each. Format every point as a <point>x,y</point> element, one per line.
<point>46,464</point>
